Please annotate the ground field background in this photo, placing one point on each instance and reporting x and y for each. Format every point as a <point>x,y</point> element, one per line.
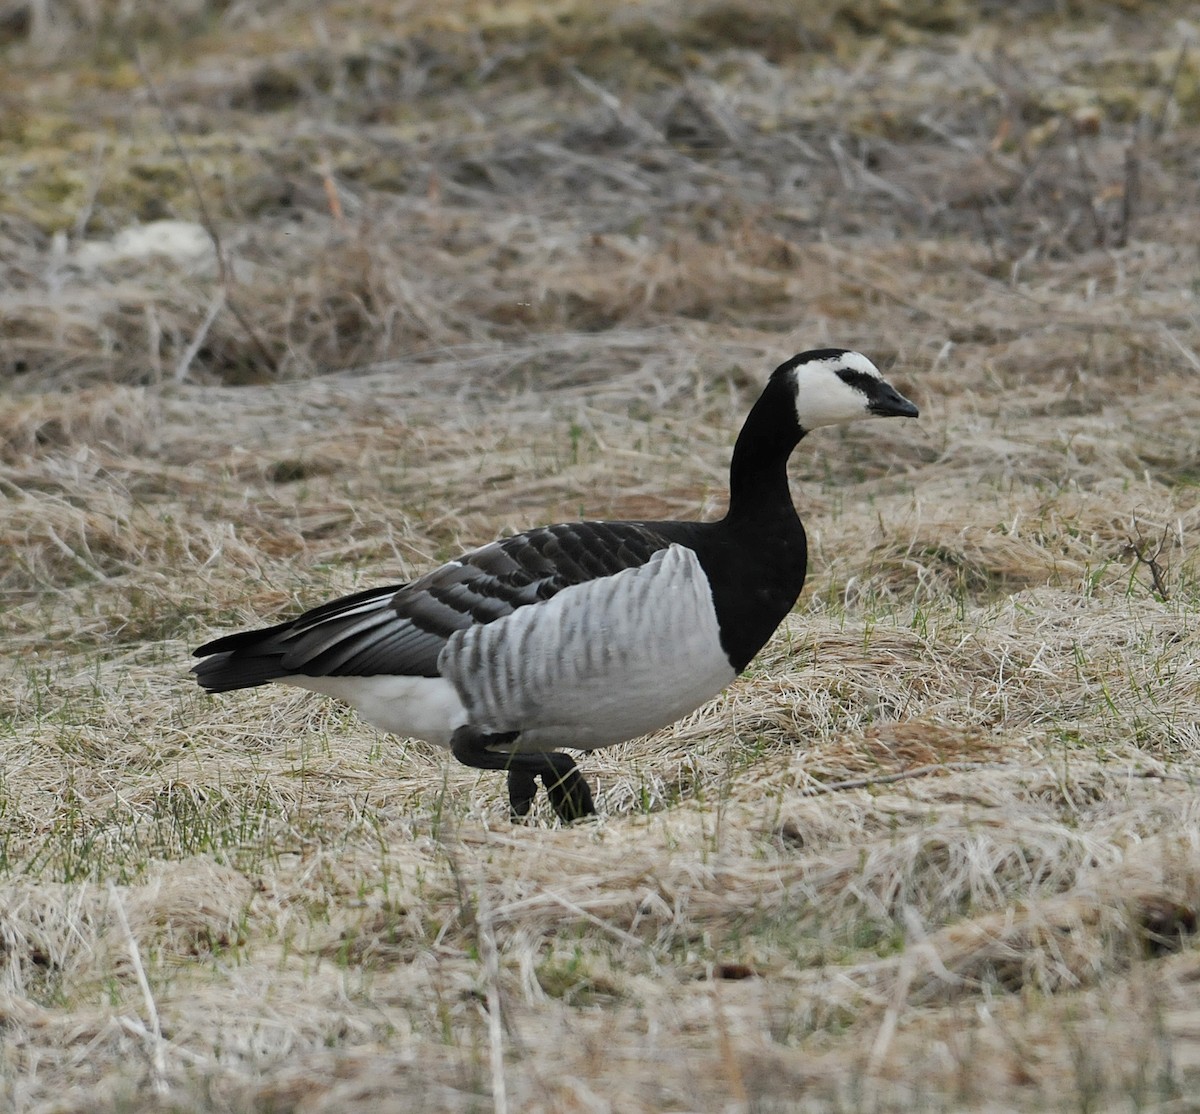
<point>480,266</point>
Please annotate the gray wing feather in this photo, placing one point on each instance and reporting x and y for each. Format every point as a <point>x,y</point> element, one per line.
<point>403,629</point>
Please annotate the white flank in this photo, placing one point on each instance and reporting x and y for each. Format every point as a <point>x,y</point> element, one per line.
<point>598,662</point>
<point>413,707</point>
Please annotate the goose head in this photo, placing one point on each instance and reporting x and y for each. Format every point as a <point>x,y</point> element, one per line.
<point>834,385</point>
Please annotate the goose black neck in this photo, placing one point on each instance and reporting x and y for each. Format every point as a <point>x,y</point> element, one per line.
<point>758,484</point>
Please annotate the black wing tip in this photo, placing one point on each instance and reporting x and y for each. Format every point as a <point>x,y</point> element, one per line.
<point>246,639</point>
<point>213,674</point>
<point>226,643</point>
<point>226,672</point>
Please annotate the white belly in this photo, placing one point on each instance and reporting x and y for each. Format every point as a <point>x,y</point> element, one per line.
<point>412,707</point>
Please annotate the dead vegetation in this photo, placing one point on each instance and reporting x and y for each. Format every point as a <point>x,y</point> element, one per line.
<point>302,297</point>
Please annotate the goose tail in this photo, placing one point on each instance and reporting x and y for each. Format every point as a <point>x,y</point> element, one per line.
<point>240,661</point>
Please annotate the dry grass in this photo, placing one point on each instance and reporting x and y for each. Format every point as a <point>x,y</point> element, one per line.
<point>492,265</point>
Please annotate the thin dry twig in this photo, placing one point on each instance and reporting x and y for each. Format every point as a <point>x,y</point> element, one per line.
<point>157,1046</point>
<point>599,922</point>
<point>729,1060</point>
<point>332,195</point>
<point>95,179</point>
<point>903,775</point>
<point>489,954</point>
<point>1088,192</point>
<point>626,114</point>
<point>1157,574</point>
<point>224,270</point>
<point>198,338</point>
<point>1130,195</point>
<point>897,1001</point>
<point>1170,85</point>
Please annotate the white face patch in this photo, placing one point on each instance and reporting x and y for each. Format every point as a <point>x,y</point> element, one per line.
<point>824,398</point>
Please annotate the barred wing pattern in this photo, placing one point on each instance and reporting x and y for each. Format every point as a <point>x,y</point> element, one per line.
<point>402,629</point>
<point>586,669</point>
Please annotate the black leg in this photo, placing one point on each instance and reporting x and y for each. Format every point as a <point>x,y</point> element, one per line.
<point>522,788</point>
<point>568,792</point>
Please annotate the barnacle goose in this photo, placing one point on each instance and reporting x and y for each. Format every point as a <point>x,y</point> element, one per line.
<point>583,634</point>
